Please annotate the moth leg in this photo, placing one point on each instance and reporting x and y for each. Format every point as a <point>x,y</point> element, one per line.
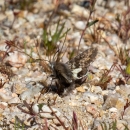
<point>60,88</point>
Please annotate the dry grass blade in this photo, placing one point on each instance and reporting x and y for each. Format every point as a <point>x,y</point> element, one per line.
<point>62,124</point>
<point>74,121</point>
<point>46,125</point>
<point>2,84</point>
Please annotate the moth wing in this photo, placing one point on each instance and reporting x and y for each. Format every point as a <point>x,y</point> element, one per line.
<point>64,72</point>
<point>79,64</point>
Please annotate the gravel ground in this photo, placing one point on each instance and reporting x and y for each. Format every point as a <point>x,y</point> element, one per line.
<point>27,96</point>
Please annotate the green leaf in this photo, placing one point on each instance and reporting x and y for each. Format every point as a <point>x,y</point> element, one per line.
<point>126,127</point>
<point>45,36</point>
<point>57,35</point>
<point>25,46</point>
<point>40,106</point>
<point>114,125</point>
<point>50,45</point>
<point>71,54</point>
<point>93,22</point>
<point>118,17</point>
<point>128,69</point>
<point>104,126</point>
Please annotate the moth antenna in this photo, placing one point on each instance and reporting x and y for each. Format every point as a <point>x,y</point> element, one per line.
<point>58,51</point>
<point>63,46</point>
<point>53,59</point>
<point>60,57</point>
<point>36,42</point>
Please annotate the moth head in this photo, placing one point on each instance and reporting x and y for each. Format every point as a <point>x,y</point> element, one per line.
<point>52,68</point>
<point>51,65</point>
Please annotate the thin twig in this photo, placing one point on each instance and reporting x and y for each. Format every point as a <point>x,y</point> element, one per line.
<point>84,30</point>
<point>57,117</point>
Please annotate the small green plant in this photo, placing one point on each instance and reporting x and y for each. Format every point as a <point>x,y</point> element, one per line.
<point>13,44</point>
<point>33,116</point>
<point>125,72</point>
<point>123,55</point>
<point>20,4</point>
<point>123,25</point>
<point>18,125</point>
<point>105,79</point>
<point>26,4</point>
<point>50,40</point>
<point>112,126</point>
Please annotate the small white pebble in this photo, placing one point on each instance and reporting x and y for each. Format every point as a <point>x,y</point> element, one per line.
<point>113,109</point>
<point>35,108</point>
<point>80,25</point>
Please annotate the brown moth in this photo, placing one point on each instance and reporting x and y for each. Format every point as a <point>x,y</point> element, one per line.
<point>74,71</point>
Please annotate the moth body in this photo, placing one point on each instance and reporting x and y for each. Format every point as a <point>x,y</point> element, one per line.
<point>62,72</point>
<point>74,71</point>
